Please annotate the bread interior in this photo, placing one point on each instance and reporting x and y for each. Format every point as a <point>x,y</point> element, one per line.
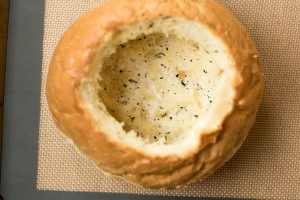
<point>158,85</point>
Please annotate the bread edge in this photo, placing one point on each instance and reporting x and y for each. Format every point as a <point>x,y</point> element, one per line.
<point>70,63</point>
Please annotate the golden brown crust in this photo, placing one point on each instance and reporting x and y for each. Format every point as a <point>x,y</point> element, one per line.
<point>70,63</point>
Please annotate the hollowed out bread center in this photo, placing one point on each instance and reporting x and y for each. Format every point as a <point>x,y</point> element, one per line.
<point>158,85</point>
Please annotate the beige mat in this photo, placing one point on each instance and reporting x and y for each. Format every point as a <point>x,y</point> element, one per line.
<point>268,164</point>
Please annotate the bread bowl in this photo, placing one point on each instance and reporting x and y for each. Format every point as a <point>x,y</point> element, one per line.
<point>160,93</point>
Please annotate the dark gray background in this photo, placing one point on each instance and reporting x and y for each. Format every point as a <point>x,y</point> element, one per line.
<point>21,112</point>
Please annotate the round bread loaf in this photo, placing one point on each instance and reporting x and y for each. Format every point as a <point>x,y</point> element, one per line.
<point>160,93</point>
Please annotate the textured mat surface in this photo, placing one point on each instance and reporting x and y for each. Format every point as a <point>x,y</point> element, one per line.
<point>268,164</point>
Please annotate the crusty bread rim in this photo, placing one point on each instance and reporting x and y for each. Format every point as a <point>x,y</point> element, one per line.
<point>206,124</point>
<point>71,62</point>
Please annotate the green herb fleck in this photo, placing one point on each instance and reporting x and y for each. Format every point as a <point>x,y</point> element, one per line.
<point>132,81</point>
<point>159,55</point>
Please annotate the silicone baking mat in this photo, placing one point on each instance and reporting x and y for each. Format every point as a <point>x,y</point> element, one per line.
<point>268,164</point>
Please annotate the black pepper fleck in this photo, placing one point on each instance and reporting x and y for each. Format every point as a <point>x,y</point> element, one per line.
<point>163,65</point>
